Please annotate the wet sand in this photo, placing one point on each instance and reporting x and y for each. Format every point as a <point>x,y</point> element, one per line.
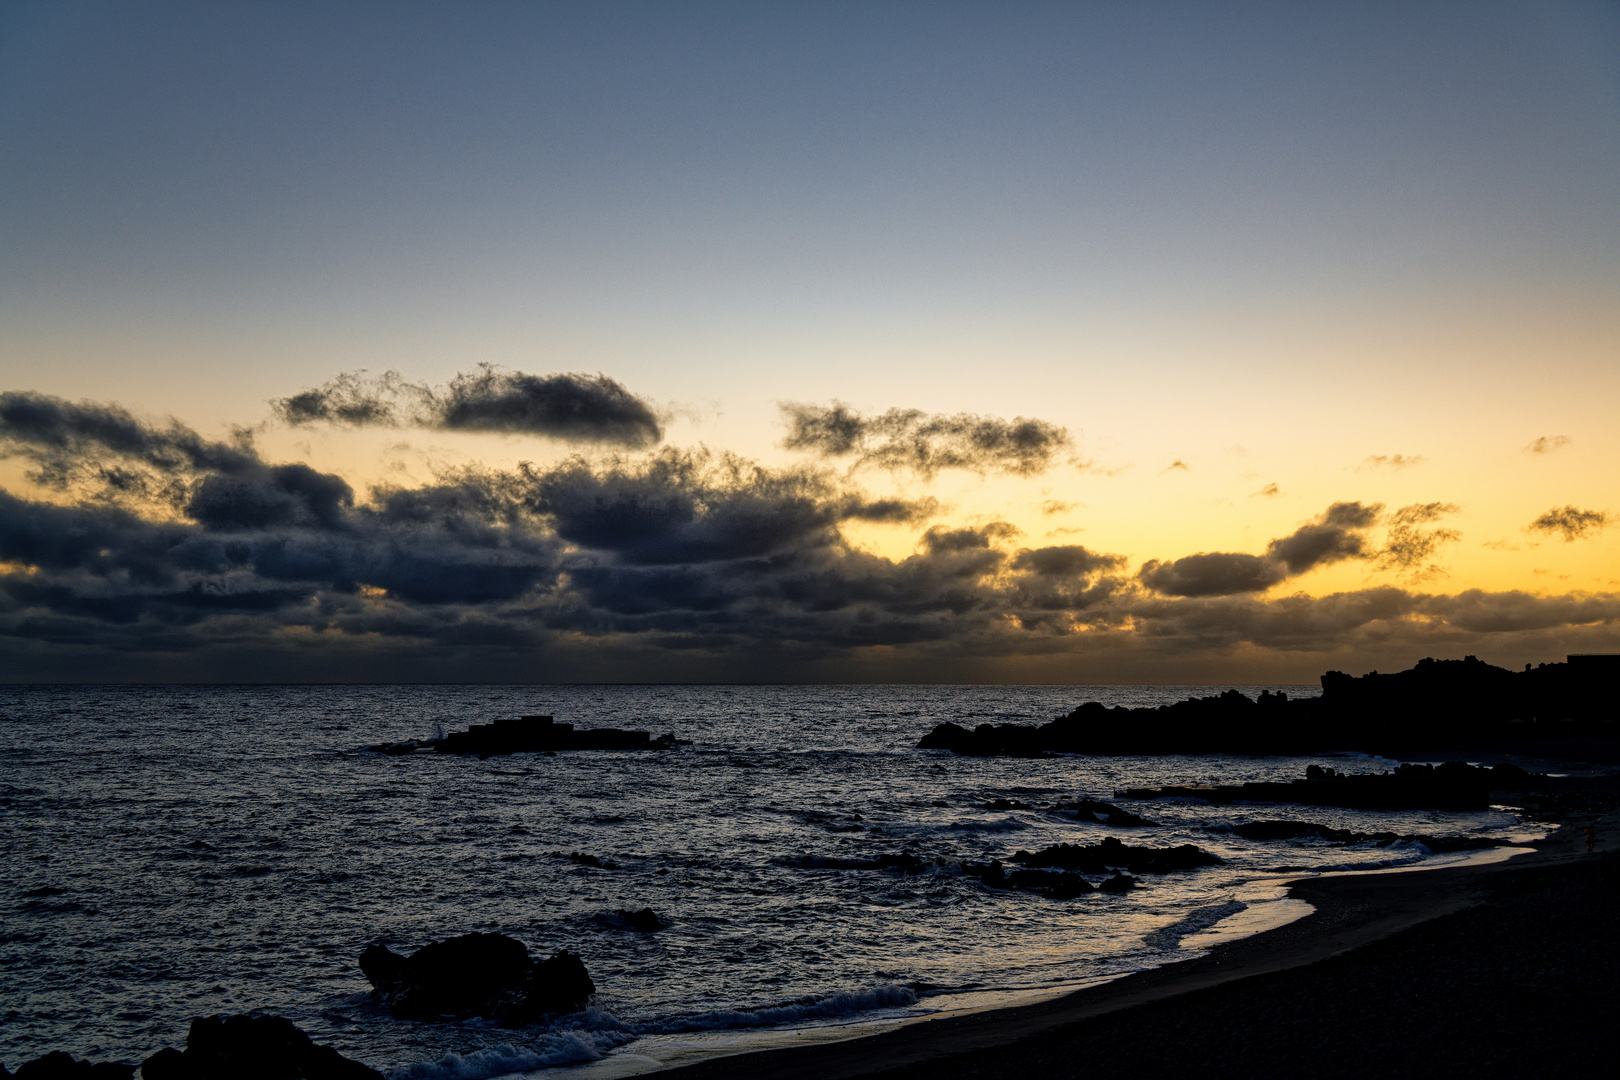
<point>1505,969</point>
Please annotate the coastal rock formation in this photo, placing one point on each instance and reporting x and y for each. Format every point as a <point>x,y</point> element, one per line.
<point>251,1048</point>
<point>1299,830</point>
<point>642,921</point>
<point>531,734</point>
<point>488,975</point>
<point>58,1065</point>
<point>1454,785</point>
<point>1101,813</point>
<point>1113,855</point>
<point>1568,709</point>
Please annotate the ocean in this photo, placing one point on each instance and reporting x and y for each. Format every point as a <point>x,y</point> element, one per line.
<point>170,852</point>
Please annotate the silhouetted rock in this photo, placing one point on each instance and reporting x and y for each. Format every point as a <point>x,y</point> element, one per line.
<point>1298,830</point>
<point>531,734</point>
<point>1102,813</point>
<point>1454,785</point>
<point>58,1065</point>
<point>645,920</point>
<point>1566,709</point>
<point>1117,884</point>
<point>488,975</point>
<point>1111,855</point>
<point>251,1048</point>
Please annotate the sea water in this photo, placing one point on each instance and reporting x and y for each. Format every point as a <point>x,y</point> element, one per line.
<point>170,852</point>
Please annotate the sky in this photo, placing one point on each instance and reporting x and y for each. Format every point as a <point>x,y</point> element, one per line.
<point>1013,342</point>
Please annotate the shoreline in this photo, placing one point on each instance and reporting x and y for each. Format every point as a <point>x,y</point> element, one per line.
<point>1351,911</point>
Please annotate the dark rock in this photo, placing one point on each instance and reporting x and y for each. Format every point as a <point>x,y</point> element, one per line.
<point>542,734</point>
<point>488,975</point>
<point>1102,813</point>
<point>1566,710</point>
<point>1053,883</point>
<point>1117,884</point>
<point>1299,830</point>
<point>251,1048</point>
<point>1111,854</point>
<point>1455,785</point>
<point>645,921</point>
<point>58,1065</point>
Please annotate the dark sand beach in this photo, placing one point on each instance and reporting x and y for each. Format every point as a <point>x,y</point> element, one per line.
<point>1505,969</point>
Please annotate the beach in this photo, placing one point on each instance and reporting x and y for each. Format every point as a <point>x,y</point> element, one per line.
<point>1498,969</point>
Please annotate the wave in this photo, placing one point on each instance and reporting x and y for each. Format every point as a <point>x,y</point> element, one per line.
<point>849,1003</point>
<point>1000,825</point>
<point>555,1048</point>
<point>1198,919</point>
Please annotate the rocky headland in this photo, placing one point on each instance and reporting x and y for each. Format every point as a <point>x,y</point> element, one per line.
<point>1553,710</point>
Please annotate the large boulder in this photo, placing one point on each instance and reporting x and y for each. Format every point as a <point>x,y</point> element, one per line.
<point>488,975</point>
<point>251,1048</point>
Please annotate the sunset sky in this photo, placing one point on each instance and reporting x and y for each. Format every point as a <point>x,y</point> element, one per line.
<point>706,342</point>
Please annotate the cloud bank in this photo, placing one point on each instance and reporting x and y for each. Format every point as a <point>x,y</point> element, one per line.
<point>156,552</point>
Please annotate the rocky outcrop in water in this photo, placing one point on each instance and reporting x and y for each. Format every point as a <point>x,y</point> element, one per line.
<point>1308,830</point>
<point>1113,855</point>
<point>251,1048</point>
<point>531,734</point>
<point>488,975</point>
<point>1568,709</point>
<point>1454,785</point>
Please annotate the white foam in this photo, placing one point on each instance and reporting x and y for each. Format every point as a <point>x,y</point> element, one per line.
<point>555,1048</point>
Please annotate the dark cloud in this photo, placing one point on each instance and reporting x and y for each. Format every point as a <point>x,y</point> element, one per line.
<point>1546,444</point>
<point>1338,534</point>
<point>1177,466</point>
<point>1269,490</point>
<point>926,443</point>
<point>1215,573</point>
<point>1057,506</point>
<point>1065,560</point>
<point>1408,547</point>
<point>1573,522</point>
<point>69,442</point>
<point>673,565</point>
<point>571,407</point>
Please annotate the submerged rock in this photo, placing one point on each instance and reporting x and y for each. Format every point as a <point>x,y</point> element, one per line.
<point>251,1048</point>
<point>488,975</point>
